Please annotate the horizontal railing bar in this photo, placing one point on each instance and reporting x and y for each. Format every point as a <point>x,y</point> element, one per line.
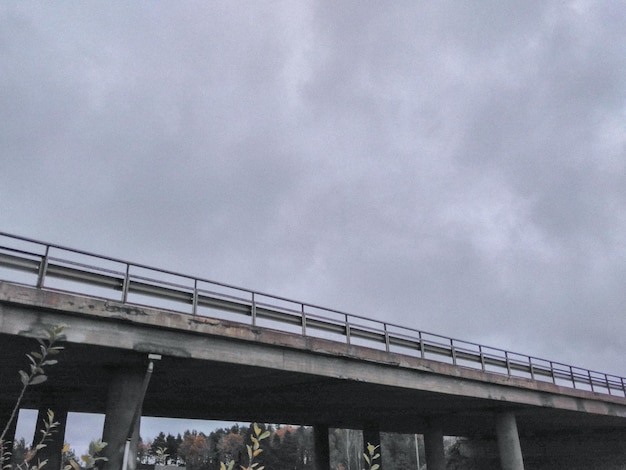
<point>317,318</point>
<point>223,304</point>
<point>19,263</point>
<point>161,292</point>
<point>282,317</point>
<point>404,342</point>
<point>87,277</point>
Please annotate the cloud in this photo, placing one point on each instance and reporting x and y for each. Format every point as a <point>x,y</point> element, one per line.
<point>454,168</point>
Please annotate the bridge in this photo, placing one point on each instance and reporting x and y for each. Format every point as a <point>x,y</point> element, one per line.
<point>220,352</point>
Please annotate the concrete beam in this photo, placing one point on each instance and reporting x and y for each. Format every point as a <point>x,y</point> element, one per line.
<point>99,322</point>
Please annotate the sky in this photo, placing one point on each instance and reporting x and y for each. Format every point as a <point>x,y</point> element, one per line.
<point>456,167</point>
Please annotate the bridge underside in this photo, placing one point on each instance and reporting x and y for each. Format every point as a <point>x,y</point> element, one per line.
<point>193,388</point>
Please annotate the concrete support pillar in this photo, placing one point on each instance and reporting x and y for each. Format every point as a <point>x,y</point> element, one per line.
<point>371,435</point>
<point>508,442</point>
<point>433,444</point>
<point>53,451</point>
<point>125,395</point>
<point>321,443</point>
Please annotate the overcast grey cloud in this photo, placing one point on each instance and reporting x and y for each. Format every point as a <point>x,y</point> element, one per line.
<point>457,167</point>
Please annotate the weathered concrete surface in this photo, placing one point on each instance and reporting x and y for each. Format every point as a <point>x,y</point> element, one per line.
<point>210,365</point>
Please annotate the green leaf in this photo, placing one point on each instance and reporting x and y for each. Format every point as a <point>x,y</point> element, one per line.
<point>38,379</point>
<point>367,459</point>
<point>24,378</point>
<point>375,467</point>
<point>257,429</point>
<point>264,435</point>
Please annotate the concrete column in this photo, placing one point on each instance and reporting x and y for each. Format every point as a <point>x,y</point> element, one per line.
<point>508,442</point>
<point>53,451</point>
<point>433,444</point>
<point>371,435</point>
<point>124,396</point>
<point>321,449</point>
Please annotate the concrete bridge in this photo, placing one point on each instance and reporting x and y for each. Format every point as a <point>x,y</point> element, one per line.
<point>226,353</point>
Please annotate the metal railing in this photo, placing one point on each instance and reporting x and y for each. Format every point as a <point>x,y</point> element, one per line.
<point>54,267</point>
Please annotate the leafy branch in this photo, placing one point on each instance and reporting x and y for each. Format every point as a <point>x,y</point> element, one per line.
<point>253,451</point>
<point>38,361</point>
<point>372,455</point>
<point>90,459</point>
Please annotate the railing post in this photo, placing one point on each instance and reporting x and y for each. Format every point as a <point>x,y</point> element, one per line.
<point>43,267</point>
<point>571,374</point>
<point>125,286</point>
<point>590,380</point>
<point>347,327</point>
<point>621,379</point>
<point>386,337</point>
<point>422,352</point>
<point>608,385</point>
<point>194,308</point>
<point>532,371</point>
<point>253,310</point>
<point>303,320</point>
<point>482,358</point>
<point>508,363</point>
<point>453,352</point>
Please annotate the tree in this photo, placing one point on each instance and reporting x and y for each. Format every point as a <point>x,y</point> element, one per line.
<point>158,447</point>
<point>288,455</point>
<point>19,450</point>
<point>69,455</point>
<point>172,444</point>
<point>195,451</point>
<point>345,448</point>
<point>143,450</point>
<point>398,451</point>
<point>231,447</point>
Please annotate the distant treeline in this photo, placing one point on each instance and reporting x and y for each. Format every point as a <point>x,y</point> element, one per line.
<point>288,447</point>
